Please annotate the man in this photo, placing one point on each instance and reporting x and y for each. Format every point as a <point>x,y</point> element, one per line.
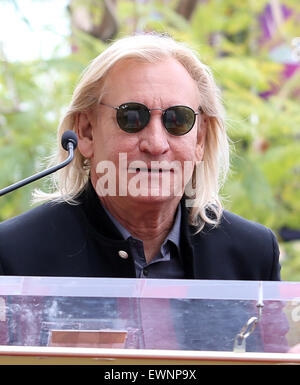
<point>141,198</point>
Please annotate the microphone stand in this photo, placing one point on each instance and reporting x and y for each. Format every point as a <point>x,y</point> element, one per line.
<point>32,178</point>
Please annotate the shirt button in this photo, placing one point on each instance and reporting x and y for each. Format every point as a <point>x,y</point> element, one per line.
<point>123,254</point>
<point>145,272</point>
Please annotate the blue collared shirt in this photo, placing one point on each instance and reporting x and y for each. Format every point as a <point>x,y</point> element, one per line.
<point>167,263</point>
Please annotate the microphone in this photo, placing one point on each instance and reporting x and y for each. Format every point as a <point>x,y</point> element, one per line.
<point>69,143</point>
<point>69,138</point>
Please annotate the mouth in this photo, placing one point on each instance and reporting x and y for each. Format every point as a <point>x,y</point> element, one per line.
<point>150,170</point>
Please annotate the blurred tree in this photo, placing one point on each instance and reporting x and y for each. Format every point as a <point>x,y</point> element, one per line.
<point>98,20</point>
<point>186,8</point>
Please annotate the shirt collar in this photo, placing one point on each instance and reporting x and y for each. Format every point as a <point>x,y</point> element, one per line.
<point>124,232</point>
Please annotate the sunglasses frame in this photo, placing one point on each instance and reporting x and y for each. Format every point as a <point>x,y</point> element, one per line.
<point>117,108</point>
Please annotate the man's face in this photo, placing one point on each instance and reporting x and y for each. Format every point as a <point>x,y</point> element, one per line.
<point>160,85</point>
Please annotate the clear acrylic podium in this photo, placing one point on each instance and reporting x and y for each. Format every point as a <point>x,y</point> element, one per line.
<point>147,321</point>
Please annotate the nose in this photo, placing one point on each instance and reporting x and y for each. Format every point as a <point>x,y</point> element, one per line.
<point>154,137</point>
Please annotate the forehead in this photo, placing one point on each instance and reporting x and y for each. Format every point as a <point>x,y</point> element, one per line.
<point>138,80</point>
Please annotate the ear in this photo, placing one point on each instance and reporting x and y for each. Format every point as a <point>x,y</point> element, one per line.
<point>201,138</point>
<point>84,131</point>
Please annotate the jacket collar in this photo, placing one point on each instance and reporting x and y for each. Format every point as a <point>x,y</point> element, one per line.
<point>186,244</point>
<point>96,215</point>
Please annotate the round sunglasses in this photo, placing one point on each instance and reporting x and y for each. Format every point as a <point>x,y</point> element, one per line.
<point>133,117</point>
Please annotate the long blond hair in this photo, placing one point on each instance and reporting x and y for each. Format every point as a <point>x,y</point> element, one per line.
<point>71,180</point>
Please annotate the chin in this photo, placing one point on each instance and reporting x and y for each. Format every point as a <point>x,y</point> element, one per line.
<point>155,197</point>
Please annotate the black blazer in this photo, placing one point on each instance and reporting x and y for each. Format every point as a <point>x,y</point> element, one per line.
<point>60,239</point>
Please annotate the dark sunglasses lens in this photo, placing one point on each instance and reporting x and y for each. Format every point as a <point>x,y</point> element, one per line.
<point>132,117</point>
<point>179,120</point>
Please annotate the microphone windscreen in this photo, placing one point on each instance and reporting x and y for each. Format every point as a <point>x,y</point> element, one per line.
<point>67,137</point>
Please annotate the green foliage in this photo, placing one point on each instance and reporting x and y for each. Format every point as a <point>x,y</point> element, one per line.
<point>264,182</point>
<point>28,130</point>
<point>290,265</point>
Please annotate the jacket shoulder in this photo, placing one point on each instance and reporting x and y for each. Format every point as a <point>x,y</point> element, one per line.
<point>242,249</point>
<point>49,231</point>
<point>233,226</point>
<point>44,220</point>
<point>240,224</point>
<point>38,214</point>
